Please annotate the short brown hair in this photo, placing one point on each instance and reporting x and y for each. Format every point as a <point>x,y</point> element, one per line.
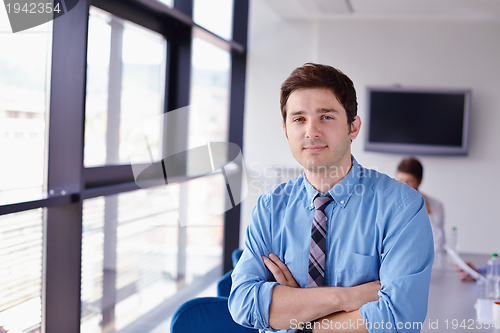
<point>321,76</point>
<point>412,166</point>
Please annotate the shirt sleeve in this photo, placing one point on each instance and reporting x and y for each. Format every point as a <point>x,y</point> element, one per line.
<point>405,270</point>
<point>251,292</point>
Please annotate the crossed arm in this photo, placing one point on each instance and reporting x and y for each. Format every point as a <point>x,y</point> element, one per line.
<point>403,298</point>
<point>291,304</point>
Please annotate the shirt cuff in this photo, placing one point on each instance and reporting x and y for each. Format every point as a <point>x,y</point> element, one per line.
<point>266,293</point>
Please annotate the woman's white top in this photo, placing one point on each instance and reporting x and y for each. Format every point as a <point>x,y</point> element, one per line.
<point>436,216</point>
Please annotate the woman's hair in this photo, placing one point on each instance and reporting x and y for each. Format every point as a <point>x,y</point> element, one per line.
<point>412,166</point>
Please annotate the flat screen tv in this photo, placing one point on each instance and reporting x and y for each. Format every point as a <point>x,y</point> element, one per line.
<point>418,121</point>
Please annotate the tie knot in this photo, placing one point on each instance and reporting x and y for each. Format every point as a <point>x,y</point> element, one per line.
<point>321,202</point>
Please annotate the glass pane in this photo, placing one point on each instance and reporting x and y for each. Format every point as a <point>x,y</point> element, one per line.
<point>125,87</point>
<point>143,87</point>
<point>204,241</point>
<point>215,15</point>
<point>135,256</point>
<point>99,39</point>
<point>21,279</point>
<point>24,96</point>
<point>146,254</point>
<point>129,256</point>
<point>210,89</point>
<point>92,264</point>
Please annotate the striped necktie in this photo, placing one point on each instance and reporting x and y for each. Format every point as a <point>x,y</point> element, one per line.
<point>318,243</point>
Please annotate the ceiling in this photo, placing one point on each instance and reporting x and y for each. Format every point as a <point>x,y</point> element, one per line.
<point>387,9</point>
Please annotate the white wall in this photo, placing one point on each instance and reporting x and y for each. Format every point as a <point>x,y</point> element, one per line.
<point>448,54</point>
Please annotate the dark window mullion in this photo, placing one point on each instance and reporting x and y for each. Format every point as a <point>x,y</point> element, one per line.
<point>107,175</point>
<point>54,200</point>
<point>208,36</point>
<point>132,11</point>
<point>179,85</point>
<point>63,224</point>
<point>185,7</point>
<point>236,113</point>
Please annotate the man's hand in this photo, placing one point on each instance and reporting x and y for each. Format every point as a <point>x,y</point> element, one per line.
<point>279,270</point>
<point>340,322</point>
<point>360,295</point>
<point>290,302</point>
<point>463,275</point>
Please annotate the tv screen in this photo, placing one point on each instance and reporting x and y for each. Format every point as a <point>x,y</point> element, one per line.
<point>418,121</point>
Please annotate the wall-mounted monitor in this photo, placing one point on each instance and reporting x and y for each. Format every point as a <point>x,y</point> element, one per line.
<point>418,121</point>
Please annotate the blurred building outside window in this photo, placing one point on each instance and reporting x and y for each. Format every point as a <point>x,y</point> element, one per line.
<point>25,64</point>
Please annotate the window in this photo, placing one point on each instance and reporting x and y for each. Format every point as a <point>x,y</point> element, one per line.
<point>21,278</point>
<point>135,256</point>
<point>210,89</point>
<point>76,231</point>
<point>129,257</point>
<point>215,15</point>
<point>25,69</point>
<point>24,99</point>
<point>122,96</point>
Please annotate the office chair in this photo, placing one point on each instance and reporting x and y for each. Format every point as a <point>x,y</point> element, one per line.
<point>225,283</point>
<point>235,256</point>
<point>205,315</point>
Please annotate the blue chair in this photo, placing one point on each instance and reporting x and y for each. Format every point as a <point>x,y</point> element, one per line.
<point>235,256</point>
<point>205,315</point>
<point>225,283</point>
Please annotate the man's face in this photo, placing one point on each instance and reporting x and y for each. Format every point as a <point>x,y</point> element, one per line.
<point>408,179</point>
<point>317,131</point>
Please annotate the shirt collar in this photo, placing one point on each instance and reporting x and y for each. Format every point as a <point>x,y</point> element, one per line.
<point>341,192</point>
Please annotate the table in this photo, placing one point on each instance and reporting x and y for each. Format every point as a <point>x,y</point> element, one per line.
<point>451,301</point>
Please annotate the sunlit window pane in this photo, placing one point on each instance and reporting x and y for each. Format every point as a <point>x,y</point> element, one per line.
<point>125,87</point>
<point>135,256</point>
<point>21,265</point>
<point>129,257</point>
<point>92,264</point>
<point>210,88</point>
<point>142,86</point>
<point>96,107</point>
<point>215,15</point>
<point>24,97</point>
<point>204,241</point>
<point>146,253</point>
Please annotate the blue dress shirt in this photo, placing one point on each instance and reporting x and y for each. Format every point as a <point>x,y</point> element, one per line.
<point>377,229</point>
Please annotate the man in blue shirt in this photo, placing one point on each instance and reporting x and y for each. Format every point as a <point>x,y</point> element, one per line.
<point>379,247</point>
